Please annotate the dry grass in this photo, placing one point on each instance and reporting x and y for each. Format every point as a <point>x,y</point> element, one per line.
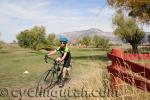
<point>89,72</point>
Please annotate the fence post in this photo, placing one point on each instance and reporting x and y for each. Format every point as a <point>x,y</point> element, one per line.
<point>117,83</point>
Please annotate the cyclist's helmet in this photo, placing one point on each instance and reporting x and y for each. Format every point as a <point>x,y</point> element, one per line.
<point>63,39</point>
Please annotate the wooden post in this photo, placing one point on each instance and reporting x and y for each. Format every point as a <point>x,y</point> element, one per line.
<point>117,83</point>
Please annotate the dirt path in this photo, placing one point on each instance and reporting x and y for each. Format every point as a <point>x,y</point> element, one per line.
<point>82,81</point>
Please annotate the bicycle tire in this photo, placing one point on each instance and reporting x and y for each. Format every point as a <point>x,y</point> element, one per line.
<point>46,79</point>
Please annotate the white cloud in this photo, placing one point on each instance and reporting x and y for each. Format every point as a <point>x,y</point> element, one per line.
<point>21,12</point>
<point>15,18</point>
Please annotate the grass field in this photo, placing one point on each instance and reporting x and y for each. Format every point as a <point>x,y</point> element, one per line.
<point>14,62</point>
<point>89,71</point>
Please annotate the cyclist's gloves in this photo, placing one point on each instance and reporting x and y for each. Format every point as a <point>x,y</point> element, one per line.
<point>46,56</point>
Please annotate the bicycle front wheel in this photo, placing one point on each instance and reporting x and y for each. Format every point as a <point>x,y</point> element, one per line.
<point>46,79</point>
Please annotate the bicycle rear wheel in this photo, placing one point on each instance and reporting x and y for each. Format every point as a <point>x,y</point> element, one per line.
<point>46,79</point>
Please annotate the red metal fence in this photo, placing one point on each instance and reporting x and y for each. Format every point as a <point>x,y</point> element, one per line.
<point>123,69</point>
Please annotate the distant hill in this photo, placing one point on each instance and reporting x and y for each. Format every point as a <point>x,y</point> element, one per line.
<point>72,36</point>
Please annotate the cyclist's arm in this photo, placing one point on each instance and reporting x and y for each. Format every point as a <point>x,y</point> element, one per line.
<point>51,53</point>
<point>64,56</point>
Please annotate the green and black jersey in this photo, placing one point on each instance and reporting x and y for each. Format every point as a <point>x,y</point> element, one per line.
<point>67,60</point>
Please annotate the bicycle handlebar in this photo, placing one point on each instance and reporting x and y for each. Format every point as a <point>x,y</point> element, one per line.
<point>46,57</point>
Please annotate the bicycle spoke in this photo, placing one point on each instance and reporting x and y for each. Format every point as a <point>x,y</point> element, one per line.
<point>46,79</point>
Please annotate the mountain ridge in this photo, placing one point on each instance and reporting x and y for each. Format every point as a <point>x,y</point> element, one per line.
<point>72,36</point>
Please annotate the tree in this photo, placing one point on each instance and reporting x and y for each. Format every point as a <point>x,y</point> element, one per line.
<point>100,42</point>
<point>137,8</point>
<point>105,43</point>
<point>97,41</point>
<point>57,42</point>
<point>79,41</point>
<point>23,39</point>
<point>2,44</point>
<point>51,39</point>
<point>32,38</point>
<point>37,34</point>
<point>128,30</point>
<point>86,40</point>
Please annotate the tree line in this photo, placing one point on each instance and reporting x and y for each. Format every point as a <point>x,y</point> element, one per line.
<point>126,28</point>
<point>36,38</point>
<point>97,41</point>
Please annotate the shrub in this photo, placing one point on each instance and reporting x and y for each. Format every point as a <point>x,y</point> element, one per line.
<point>1,44</point>
<point>40,46</point>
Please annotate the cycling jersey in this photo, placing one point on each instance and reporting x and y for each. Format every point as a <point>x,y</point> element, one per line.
<point>67,59</point>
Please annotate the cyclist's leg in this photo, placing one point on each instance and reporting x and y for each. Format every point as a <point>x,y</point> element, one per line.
<point>68,71</point>
<point>65,66</point>
<point>65,70</point>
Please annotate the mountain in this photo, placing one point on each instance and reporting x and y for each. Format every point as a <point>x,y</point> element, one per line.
<point>72,36</point>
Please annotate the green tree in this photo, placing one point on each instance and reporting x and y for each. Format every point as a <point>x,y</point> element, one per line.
<point>128,30</point>
<point>57,42</point>
<point>97,41</point>
<point>37,34</point>
<point>105,43</point>
<point>100,42</point>
<point>2,44</point>
<point>51,39</point>
<point>32,38</point>
<point>23,39</point>
<point>86,40</point>
<point>79,40</point>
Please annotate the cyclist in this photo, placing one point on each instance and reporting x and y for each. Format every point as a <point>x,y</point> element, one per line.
<point>65,56</point>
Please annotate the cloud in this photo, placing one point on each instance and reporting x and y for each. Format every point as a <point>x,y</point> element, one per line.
<point>19,15</point>
<point>24,12</point>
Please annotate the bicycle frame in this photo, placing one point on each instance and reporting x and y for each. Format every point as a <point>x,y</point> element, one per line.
<point>56,65</point>
<point>51,76</point>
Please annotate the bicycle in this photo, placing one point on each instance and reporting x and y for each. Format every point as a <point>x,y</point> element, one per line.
<point>51,76</point>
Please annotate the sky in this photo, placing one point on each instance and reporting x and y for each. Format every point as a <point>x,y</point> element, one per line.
<point>56,15</point>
